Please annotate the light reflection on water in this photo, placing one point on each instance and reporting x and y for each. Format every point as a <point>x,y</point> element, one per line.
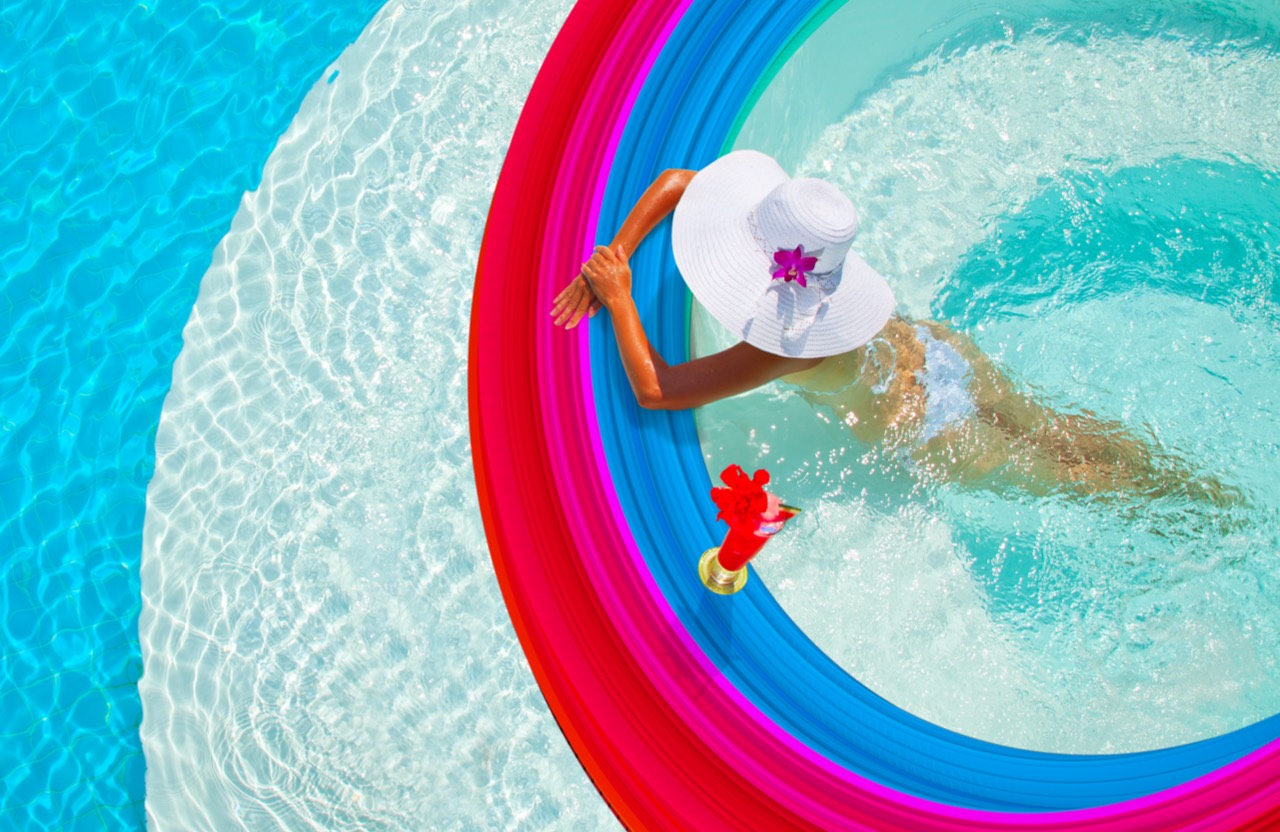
<point>326,645</point>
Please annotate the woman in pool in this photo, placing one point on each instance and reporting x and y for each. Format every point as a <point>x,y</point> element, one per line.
<point>768,256</point>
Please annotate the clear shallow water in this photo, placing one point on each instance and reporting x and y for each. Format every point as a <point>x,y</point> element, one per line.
<point>1096,205</point>
<point>326,646</point>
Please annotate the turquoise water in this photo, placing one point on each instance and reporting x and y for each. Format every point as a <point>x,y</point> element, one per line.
<point>129,133</point>
<point>1093,197</point>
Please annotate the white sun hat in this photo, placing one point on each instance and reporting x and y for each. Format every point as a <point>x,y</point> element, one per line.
<point>768,256</point>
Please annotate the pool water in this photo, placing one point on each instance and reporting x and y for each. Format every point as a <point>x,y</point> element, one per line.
<point>1097,203</point>
<point>326,645</point>
<point>129,132</point>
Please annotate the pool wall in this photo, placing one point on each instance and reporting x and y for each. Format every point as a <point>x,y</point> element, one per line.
<point>129,133</point>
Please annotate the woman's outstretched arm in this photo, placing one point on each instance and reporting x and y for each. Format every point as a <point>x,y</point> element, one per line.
<point>658,385</point>
<point>658,200</point>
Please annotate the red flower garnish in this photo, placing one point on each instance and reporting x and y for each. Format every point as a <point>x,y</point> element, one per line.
<point>744,503</point>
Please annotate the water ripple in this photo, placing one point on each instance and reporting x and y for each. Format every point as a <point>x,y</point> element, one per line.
<point>326,645</point>
<point>128,133</point>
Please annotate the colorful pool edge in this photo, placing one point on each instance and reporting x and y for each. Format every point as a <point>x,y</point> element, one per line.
<point>657,715</point>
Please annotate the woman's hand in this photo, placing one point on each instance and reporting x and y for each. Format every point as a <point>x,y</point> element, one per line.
<point>573,302</point>
<point>580,298</point>
<point>608,275</point>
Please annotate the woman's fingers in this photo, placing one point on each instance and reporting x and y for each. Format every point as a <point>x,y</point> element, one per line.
<point>577,316</point>
<point>561,299</point>
<point>574,303</point>
<point>570,317</point>
<point>564,311</point>
<point>567,295</point>
<point>578,299</point>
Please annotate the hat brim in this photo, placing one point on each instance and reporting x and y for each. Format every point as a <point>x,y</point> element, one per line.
<point>729,273</point>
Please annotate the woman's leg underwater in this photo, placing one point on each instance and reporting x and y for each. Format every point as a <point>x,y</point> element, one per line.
<point>1018,440</point>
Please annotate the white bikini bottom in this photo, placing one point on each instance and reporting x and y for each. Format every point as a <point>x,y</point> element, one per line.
<point>945,378</point>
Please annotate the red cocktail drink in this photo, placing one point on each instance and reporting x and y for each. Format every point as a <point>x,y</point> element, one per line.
<point>742,543</point>
<point>754,515</point>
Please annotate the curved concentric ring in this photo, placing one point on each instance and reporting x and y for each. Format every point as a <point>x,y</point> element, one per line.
<point>690,710</point>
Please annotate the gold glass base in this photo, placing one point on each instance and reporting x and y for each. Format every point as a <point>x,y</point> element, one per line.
<point>718,579</point>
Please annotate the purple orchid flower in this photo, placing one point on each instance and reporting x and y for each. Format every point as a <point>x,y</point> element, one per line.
<point>792,265</point>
